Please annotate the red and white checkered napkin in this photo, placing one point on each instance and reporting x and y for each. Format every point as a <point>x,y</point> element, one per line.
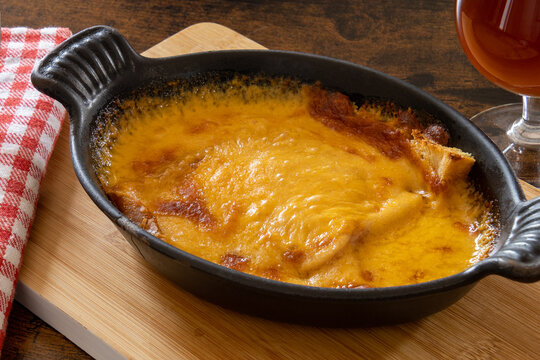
<point>29,125</point>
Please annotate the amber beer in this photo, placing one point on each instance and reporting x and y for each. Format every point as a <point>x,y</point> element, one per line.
<point>502,40</point>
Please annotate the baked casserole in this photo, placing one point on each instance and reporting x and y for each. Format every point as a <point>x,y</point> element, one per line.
<point>294,182</point>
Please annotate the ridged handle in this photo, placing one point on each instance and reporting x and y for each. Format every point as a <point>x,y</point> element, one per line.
<point>79,68</point>
<point>519,258</point>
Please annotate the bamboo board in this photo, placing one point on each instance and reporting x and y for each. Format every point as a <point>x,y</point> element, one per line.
<point>82,276</point>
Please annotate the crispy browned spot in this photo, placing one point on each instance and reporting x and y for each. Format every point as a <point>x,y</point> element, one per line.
<point>418,275</point>
<point>436,133</point>
<point>294,256</point>
<point>367,275</point>
<point>147,167</point>
<point>444,249</point>
<point>136,212</point>
<point>469,228</point>
<point>194,164</point>
<point>461,226</point>
<point>234,261</point>
<point>272,273</point>
<point>351,150</point>
<point>408,120</point>
<point>335,110</point>
<point>200,127</point>
<point>191,205</point>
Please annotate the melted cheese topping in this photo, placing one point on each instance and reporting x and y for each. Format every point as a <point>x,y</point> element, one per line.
<point>252,178</point>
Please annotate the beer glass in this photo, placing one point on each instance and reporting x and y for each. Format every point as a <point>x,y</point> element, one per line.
<point>501,38</point>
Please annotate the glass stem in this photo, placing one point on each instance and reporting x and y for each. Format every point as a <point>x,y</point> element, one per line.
<point>526,131</point>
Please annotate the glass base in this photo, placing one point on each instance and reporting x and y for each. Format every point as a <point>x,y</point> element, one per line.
<point>498,123</point>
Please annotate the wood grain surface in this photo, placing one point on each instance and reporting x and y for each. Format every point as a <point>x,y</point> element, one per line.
<point>412,40</point>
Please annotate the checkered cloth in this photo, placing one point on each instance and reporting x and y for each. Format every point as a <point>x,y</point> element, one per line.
<point>29,126</point>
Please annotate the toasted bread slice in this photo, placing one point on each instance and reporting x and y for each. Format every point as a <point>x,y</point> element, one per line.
<point>447,163</point>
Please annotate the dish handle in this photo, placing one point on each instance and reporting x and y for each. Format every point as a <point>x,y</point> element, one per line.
<point>519,257</point>
<point>79,68</point>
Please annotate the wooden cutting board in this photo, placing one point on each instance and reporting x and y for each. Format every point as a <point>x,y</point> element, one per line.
<point>80,275</point>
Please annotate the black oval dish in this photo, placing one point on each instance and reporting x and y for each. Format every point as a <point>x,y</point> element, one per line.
<point>96,65</point>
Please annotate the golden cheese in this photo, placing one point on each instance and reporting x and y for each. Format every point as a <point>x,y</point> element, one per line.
<point>294,183</point>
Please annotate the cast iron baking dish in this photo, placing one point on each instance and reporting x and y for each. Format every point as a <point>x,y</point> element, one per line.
<point>96,65</point>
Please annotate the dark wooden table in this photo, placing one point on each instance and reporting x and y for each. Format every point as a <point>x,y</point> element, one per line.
<point>414,40</point>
